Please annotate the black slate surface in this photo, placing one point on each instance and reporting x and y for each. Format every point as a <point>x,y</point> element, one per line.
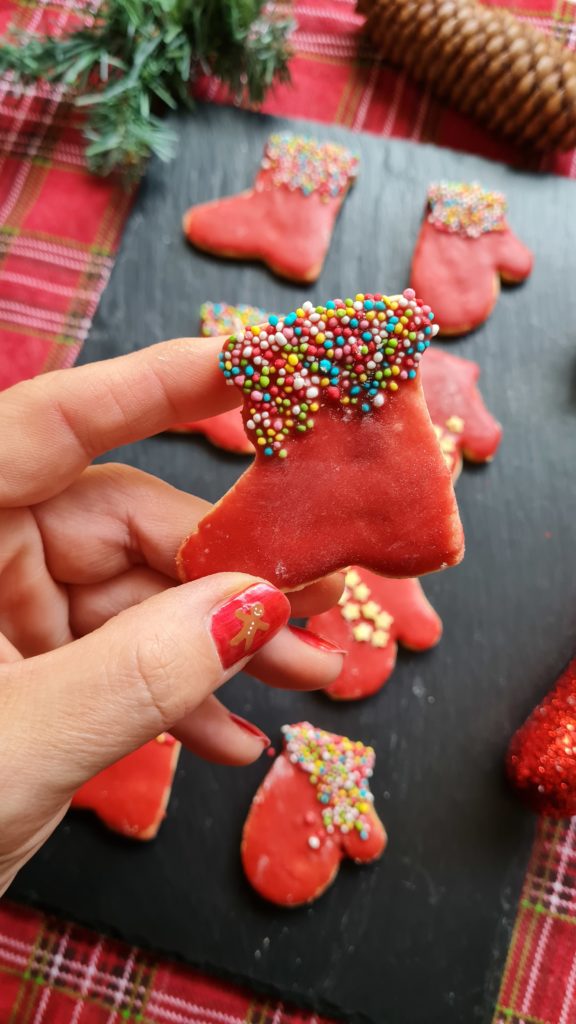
<point>421,938</point>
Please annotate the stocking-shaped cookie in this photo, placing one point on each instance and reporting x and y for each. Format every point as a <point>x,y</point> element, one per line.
<point>226,430</point>
<point>286,220</point>
<point>132,795</point>
<point>374,615</point>
<point>313,809</point>
<point>348,470</point>
<point>541,760</point>
<point>463,424</point>
<point>465,248</point>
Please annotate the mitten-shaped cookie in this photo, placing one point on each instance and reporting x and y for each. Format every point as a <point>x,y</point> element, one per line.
<point>541,759</point>
<point>464,426</point>
<point>313,809</point>
<point>132,795</point>
<point>374,615</point>
<point>465,248</point>
<point>226,430</point>
<point>348,470</point>
<point>286,220</point>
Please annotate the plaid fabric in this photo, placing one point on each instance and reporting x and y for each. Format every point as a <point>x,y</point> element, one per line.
<point>59,225</point>
<point>53,973</point>
<point>539,982</point>
<point>336,79</point>
<point>59,229</point>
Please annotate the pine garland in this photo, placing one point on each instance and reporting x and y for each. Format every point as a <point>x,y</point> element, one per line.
<point>140,57</point>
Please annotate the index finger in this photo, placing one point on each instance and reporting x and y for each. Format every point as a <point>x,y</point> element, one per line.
<point>59,422</point>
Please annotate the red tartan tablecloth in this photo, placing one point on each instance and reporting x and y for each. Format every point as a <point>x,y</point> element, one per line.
<point>59,229</point>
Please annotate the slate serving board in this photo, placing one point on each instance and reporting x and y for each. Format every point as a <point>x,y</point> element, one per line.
<point>421,938</point>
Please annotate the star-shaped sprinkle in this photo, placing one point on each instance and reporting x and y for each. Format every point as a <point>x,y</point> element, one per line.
<point>363,631</point>
<point>380,638</point>
<point>351,611</point>
<point>371,609</point>
<point>455,424</point>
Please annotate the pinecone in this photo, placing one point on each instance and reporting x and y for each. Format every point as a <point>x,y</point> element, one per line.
<point>514,79</point>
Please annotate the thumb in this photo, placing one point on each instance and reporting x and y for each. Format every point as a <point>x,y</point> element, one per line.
<point>83,706</point>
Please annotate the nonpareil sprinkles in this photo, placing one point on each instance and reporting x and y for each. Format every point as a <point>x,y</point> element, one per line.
<point>220,318</point>
<point>309,166</point>
<point>340,770</point>
<point>467,210</point>
<point>350,353</point>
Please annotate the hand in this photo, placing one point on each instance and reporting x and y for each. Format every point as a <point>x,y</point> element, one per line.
<point>100,651</point>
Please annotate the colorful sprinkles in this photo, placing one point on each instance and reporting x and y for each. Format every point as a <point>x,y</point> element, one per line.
<point>340,770</point>
<point>349,353</point>
<point>220,318</point>
<point>467,210</point>
<point>310,166</point>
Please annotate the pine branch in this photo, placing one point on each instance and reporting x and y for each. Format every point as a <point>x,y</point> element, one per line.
<point>140,57</point>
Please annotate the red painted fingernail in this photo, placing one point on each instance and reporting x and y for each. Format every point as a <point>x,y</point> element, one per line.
<point>317,641</point>
<point>251,728</point>
<point>247,621</point>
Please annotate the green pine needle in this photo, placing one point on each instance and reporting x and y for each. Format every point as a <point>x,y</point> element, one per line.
<point>140,57</point>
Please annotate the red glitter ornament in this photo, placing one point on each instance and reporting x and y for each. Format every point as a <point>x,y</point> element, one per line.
<point>541,759</point>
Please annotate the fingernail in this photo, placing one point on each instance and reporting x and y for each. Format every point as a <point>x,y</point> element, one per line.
<point>247,621</point>
<point>317,641</point>
<point>251,728</point>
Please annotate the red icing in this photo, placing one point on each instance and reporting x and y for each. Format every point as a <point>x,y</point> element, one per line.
<point>277,858</point>
<point>369,490</point>
<point>131,795</point>
<point>451,391</point>
<point>460,276</point>
<point>541,760</point>
<point>225,431</point>
<point>370,662</point>
<point>286,230</point>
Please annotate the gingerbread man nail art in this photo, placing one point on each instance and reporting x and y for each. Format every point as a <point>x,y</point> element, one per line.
<point>252,623</point>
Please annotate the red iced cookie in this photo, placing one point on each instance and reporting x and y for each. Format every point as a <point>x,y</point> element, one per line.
<point>374,615</point>
<point>465,248</point>
<point>286,220</point>
<point>225,430</point>
<point>348,470</point>
<point>541,759</point>
<point>463,424</point>
<point>313,809</point>
<point>132,795</point>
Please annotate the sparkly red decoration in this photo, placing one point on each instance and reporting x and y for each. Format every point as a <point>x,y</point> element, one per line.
<point>541,760</point>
